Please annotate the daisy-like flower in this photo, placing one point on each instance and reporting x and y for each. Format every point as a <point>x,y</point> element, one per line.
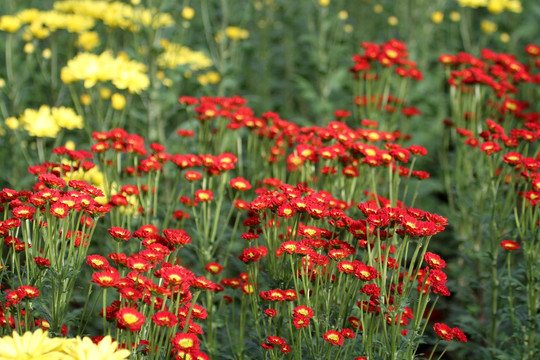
<point>240,184</point>
<point>32,345</point>
<point>193,175</point>
<point>185,342</point>
<point>213,268</point>
<point>85,349</point>
<point>304,311</point>
<point>97,262</point>
<point>204,195</point>
<point>443,331</point>
<point>59,210</point>
<point>177,237</point>
<point>333,337</point>
<point>119,233</point>
<point>130,318</point>
<point>107,278</point>
<point>434,260</point>
<point>510,245</point>
<point>23,212</point>
<point>164,318</point>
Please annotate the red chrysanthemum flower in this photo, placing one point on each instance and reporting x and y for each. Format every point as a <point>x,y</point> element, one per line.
<point>253,254</point>
<point>510,245</point>
<point>186,342</point>
<point>23,212</point>
<point>30,291</point>
<point>52,181</point>
<point>434,261</point>
<point>203,283</point>
<point>443,331</point>
<point>119,233</point>
<point>130,318</point>
<point>193,175</point>
<point>333,337</point>
<point>107,278</point>
<point>365,272</point>
<point>346,267</point>
<point>42,262</point>
<point>177,237</point>
<point>204,195</point>
<point>97,262</point>
<point>213,268</point>
<point>304,311</point>
<point>300,322</point>
<point>164,318</point>
<point>348,333</point>
<point>138,264</point>
<point>459,335</point>
<point>240,184</point>
<point>59,210</point>
<point>176,275</point>
<point>490,147</point>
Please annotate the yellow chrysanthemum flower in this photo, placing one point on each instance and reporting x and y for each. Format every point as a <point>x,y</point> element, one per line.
<point>85,349</point>
<point>85,99</point>
<point>47,122</point>
<point>236,33</point>
<point>12,122</point>
<point>10,23</point>
<point>472,3</point>
<point>118,101</point>
<point>88,40</point>
<point>455,16</point>
<point>70,145</point>
<point>188,13</point>
<point>46,53</point>
<point>91,68</point>
<point>116,13</point>
<point>38,30</point>
<point>488,27</point>
<point>39,123</point>
<point>31,346</point>
<point>67,118</point>
<point>437,17</point>
<point>29,48</point>
<point>28,15</point>
<point>211,77</point>
<point>494,6</point>
<point>393,21</point>
<point>177,55</point>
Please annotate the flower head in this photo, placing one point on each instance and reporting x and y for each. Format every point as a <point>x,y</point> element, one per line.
<point>510,245</point>
<point>31,345</point>
<point>130,318</point>
<point>86,349</point>
<point>333,337</point>
<point>443,331</point>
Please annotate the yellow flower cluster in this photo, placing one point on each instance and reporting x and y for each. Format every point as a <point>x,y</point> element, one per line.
<point>38,345</point>
<point>494,6</point>
<point>47,121</point>
<point>211,77</point>
<point>234,33</point>
<point>175,55</point>
<point>40,24</point>
<point>9,23</point>
<point>121,71</point>
<point>117,14</point>
<point>88,40</point>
